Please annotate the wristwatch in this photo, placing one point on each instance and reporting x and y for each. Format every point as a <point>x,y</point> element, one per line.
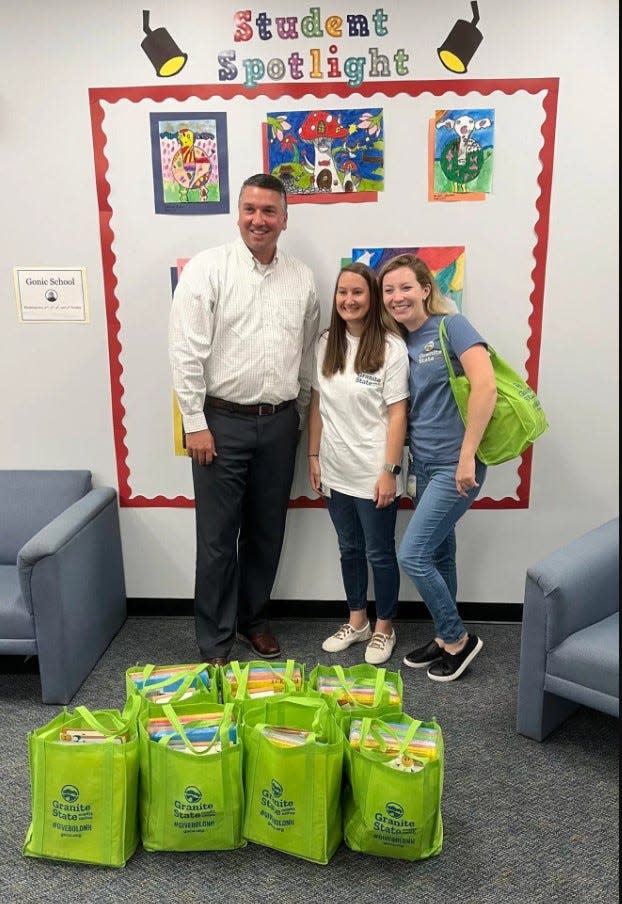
<point>393,469</point>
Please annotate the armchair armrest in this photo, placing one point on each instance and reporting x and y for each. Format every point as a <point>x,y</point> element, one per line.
<point>569,590</point>
<point>51,538</point>
<point>577,584</point>
<point>71,578</point>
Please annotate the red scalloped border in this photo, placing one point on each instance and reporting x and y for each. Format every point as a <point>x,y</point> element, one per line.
<point>550,87</point>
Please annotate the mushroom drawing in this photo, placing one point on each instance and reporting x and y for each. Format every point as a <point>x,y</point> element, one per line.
<point>320,129</point>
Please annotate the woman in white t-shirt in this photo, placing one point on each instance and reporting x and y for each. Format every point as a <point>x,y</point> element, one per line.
<point>357,428</point>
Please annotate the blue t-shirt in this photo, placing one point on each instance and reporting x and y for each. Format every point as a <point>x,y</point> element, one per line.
<point>435,429</point>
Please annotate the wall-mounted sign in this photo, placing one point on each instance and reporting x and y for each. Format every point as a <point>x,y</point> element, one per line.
<point>49,294</point>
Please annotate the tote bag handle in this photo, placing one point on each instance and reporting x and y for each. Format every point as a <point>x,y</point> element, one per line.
<point>221,734</point>
<point>119,723</point>
<point>378,685</point>
<point>371,726</point>
<point>186,681</point>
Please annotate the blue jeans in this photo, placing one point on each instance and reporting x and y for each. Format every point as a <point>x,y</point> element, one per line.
<point>427,552</point>
<point>366,534</point>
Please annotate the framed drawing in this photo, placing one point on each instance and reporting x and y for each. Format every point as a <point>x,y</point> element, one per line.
<point>190,163</point>
<point>327,155</point>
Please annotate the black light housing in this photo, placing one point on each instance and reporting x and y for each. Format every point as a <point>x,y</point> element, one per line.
<point>461,43</point>
<point>163,52</point>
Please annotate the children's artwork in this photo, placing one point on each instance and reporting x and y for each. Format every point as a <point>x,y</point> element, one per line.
<point>445,261</point>
<point>327,155</point>
<point>463,152</point>
<point>434,195</point>
<point>189,158</point>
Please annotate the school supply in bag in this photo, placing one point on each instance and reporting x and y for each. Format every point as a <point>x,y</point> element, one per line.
<point>172,683</point>
<point>191,794</point>
<point>84,791</point>
<point>358,691</point>
<point>389,736</point>
<point>518,418</point>
<point>392,795</point>
<point>255,679</point>
<point>293,790</point>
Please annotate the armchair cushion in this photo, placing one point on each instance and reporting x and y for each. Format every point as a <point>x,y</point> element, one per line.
<point>17,622</point>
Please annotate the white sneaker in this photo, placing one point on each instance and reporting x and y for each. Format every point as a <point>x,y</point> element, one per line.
<point>380,648</point>
<point>345,637</point>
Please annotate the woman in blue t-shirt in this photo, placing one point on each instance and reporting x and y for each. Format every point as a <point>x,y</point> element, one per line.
<point>445,476</point>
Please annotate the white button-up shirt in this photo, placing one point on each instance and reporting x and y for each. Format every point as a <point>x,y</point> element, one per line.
<point>242,331</point>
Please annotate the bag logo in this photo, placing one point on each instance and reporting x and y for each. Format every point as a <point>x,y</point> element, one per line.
<point>278,812</point>
<point>69,793</point>
<point>277,789</point>
<point>192,794</point>
<point>395,811</point>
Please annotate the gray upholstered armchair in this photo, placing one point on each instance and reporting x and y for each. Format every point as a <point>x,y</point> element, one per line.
<point>62,589</point>
<point>570,633</point>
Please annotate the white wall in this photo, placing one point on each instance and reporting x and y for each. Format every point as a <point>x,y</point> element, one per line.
<point>56,376</point>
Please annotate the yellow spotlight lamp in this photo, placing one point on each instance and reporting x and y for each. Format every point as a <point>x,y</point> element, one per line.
<point>461,43</point>
<point>165,55</point>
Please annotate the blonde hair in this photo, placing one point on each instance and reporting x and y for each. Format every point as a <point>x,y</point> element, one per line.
<point>435,303</point>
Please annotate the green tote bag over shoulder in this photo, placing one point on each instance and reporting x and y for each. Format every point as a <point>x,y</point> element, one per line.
<point>518,419</point>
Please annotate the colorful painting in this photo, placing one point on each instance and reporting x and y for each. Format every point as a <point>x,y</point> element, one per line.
<point>463,152</point>
<point>189,158</point>
<point>445,261</point>
<point>327,155</point>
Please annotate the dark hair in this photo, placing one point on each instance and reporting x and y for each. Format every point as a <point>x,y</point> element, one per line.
<point>267,181</point>
<point>371,351</point>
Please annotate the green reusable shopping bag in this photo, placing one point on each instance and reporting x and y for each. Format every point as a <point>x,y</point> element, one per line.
<point>85,795</point>
<point>518,419</point>
<point>193,681</point>
<point>190,800</point>
<point>293,794</point>
<point>360,690</point>
<point>387,811</point>
<point>278,679</point>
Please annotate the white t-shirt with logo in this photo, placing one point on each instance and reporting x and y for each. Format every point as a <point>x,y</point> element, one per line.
<point>354,415</point>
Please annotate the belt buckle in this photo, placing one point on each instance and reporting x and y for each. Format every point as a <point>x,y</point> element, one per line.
<point>265,408</point>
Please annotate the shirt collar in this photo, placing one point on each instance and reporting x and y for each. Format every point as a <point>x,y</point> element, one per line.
<point>249,259</point>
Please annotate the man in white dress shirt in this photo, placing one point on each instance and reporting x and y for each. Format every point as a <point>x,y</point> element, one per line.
<point>242,330</point>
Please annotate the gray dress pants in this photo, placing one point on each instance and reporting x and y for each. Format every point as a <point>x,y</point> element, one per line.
<point>241,507</point>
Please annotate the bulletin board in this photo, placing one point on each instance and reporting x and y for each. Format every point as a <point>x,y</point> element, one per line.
<point>143,236</point>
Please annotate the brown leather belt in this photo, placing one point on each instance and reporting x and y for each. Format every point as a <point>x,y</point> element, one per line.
<point>259,410</point>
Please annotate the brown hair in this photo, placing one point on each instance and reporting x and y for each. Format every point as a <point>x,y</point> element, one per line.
<point>435,303</point>
<point>371,350</point>
<point>266,181</point>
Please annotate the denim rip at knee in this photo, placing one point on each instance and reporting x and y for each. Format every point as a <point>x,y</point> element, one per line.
<point>427,552</point>
<point>365,535</point>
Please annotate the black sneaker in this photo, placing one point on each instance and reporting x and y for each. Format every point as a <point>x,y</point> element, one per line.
<point>451,666</point>
<point>424,656</point>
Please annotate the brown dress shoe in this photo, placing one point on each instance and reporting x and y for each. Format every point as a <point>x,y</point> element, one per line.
<point>263,644</point>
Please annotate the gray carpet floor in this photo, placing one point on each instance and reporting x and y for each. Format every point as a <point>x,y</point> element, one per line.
<point>524,822</point>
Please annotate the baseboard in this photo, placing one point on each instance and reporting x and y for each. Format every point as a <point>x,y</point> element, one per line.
<point>408,611</point>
